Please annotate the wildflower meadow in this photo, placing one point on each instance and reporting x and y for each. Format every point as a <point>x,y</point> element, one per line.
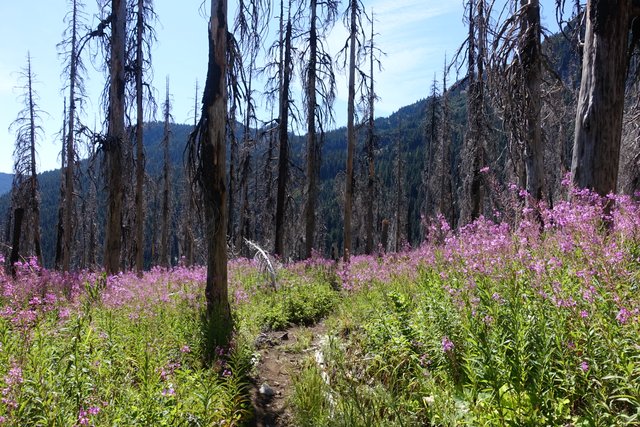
<point>494,324</point>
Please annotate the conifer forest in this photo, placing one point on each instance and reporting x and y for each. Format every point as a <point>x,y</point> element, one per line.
<point>291,256</point>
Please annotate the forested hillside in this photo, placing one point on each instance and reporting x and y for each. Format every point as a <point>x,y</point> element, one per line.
<point>5,182</point>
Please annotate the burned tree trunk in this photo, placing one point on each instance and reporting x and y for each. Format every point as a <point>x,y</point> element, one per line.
<point>166,189</point>
<point>446,181</point>
<point>59,226</point>
<point>351,131</point>
<point>18,215</point>
<point>532,74</point>
<point>283,157</point>
<point>33,178</point>
<point>313,151</point>
<point>70,146</point>
<point>207,148</point>
<point>139,196</point>
<point>113,156</point>
<point>371,168</point>
<point>596,150</point>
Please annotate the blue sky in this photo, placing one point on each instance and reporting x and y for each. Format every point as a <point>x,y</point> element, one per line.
<point>415,34</point>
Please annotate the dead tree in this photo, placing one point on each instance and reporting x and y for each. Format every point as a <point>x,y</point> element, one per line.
<point>188,205</point>
<point>283,132</point>
<point>445,143</point>
<point>75,71</point>
<point>431,133</point>
<point>318,64</point>
<point>207,153</point>
<point>142,39</point>
<point>374,53</point>
<point>25,192</point>
<point>598,127</point>
<point>166,180</point>
<point>516,78</point>
<point>113,144</point>
<point>352,18</point>
<point>63,158</point>
<point>473,157</point>
<point>251,25</point>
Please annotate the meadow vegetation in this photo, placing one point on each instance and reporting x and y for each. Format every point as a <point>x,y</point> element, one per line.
<point>534,324</point>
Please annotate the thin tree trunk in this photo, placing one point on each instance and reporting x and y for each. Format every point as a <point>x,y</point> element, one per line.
<point>283,158</point>
<point>398,215</point>
<point>371,176</point>
<point>164,243</point>
<point>596,150</point>
<point>60,226</point>
<point>115,138</point>
<point>139,197</point>
<point>351,133</point>
<point>245,171</point>
<point>312,144</point>
<point>33,179</point>
<point>446,186</point>
<point>70,146</point>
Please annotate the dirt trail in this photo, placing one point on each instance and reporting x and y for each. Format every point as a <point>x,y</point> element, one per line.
<point>282,355</point>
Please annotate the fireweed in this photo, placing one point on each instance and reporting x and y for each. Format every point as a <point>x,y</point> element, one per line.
<point>527,323</point>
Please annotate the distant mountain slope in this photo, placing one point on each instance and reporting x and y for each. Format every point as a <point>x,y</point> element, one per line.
<point>5,182</point>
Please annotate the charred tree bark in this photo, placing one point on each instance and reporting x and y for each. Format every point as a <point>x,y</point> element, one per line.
<point>60,227</point>
<point>33,178</point>
<point>371,168</point>
<point>212,178</point>
<point>139,196</point>
<point>596,150</point>
<point>283,157</point>
<point>313,150</point>
<point>446,181</point>
<point>70,146</point>
<point>115,138</point>
<point>18,215</point>
<point>166,189</point>
<point>475,137</point>
<point>532,68</point>
<point>351,132</point>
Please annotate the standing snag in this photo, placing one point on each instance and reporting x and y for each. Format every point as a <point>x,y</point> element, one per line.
<point>207,156</point>
<point>25,198</point>
<point>598,129</point>
<point>113,143</point>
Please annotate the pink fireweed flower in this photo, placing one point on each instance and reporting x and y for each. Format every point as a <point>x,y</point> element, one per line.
<point>168,391</point>
<point>83,418</point>
<point>584,366</point>
<point>185,349</point>
<point>14,376</point>
<point>623,316</point>
<point>447,345</point>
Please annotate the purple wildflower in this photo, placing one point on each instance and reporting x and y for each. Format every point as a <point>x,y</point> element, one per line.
<point>447,344</point>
